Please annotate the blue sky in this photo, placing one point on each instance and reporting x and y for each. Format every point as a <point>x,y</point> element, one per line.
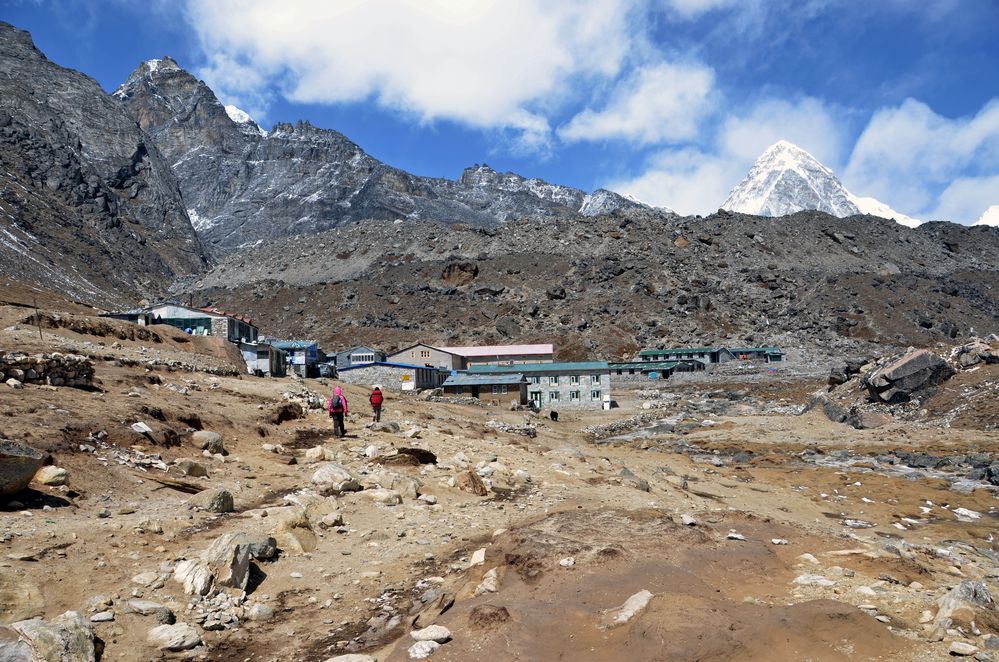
<point>668,100</point>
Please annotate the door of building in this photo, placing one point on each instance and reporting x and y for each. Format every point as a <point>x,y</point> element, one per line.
<point>536,400</point>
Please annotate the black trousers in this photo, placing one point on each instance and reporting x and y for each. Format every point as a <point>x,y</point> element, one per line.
<point>377,413</point>
<point>338,429</point>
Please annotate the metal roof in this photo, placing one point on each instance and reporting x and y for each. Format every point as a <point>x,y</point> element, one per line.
<point>294,344</point>
<point>648,365</point>
<point>579,366</point>
<point>483,380</point>
<point>500,350</point>
<point>388,364</point>
<point>765,350</point>
<point>680,350</point>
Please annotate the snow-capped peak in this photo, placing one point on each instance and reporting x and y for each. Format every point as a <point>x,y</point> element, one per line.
<point>786,179</point>
<point>243,118</point>
<point>990,217</point>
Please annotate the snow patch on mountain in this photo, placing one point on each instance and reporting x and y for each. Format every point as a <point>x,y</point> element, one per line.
<point>875,207</point>
<point>241,117</point>
<point>990,217</point>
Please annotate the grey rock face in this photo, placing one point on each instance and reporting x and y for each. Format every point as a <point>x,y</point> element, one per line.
<point>242,184</point>
<point>81,180</point>
<point>900,378</point>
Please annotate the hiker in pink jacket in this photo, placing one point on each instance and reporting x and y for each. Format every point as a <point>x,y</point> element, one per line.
<point>338,409</point>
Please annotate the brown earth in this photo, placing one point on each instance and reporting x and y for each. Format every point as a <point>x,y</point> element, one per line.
<point>714,598</point>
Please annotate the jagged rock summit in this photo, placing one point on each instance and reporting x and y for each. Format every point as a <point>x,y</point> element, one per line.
<point>243,184</point>
<point>786,179</point>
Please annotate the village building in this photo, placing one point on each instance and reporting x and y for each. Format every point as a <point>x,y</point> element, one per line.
<point>196,321</point>
<point>502,389</point>
<point>303,356</point>
<point>264,359</point>
<point>503,354</point>
<point>358,355</point>
<point>427,355</point>
<point>631,371</point>
<point>765,354</point>
<point>565,385</point>
<point>393,376</point>
<point>706,355</point>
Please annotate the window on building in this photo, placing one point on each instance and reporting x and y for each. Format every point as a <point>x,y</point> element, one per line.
<point>362,358</point>
<point>574,380</point>
<point>594,395</point>
<point>574,396</point>
<point>621,372</point>
<point>553,396</point>
<point>499,389</point>
<point>535,380</point>
<point>424,353</point>
<point>553,380</point>
<point>595,379</point>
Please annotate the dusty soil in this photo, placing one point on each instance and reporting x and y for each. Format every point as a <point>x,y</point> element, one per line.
<point>358,587</point>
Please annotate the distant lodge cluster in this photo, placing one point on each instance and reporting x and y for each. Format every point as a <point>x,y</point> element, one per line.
<point>507,374</point>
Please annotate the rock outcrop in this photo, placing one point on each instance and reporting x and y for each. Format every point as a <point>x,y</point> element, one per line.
<point>18,464</point>
<point>899,379</point>
<point>81,181</point>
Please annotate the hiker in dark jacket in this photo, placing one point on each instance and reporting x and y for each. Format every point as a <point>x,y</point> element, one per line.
<point>376,399</point>
<point>338,409</point>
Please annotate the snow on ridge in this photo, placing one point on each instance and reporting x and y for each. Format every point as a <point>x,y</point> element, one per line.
<point>989,217</point>
<point>238,116</point>
<point>875,207</point>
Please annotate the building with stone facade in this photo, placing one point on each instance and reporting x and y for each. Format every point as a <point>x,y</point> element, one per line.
<point>393,376</point>
<point>565,385</point>
<point>633,371</point>
<point>427,355</point>
<point>706,355</point>
<point>358,355</point>
<point>197,321</point>
<point>504,389</point>
<point>264,359</point>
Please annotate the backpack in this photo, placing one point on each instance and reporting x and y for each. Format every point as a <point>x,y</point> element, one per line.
<point>336,405</point>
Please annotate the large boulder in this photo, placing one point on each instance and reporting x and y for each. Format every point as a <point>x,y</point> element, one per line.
<point>901,378</point>
<point>330,479</point>
<point>209,441</point>
<point>66,638</point>
<point>961,603</point>
<point>177,637</point>
<point>228,557</point>
<point>217,500</point>
<point>18,464</point>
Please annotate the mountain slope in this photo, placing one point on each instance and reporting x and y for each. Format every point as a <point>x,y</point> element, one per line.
<point>242,184</point>
<point>87,205</point>
<point>786,179</point>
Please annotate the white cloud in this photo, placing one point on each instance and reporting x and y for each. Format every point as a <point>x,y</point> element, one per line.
<point>487,64</point>
<point>696,181</point>
<point>922,162</point>
<point>693,8</point>
<point>655,104</point>
<point>965,199</point>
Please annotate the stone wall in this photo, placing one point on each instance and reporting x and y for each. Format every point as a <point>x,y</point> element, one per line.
<point>565,387</point>
<point>391,378</point>
<point>54,369</point>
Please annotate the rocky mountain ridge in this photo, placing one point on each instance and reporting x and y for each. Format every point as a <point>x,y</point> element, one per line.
<point>616,283</point>
<point>243,184</point>
<point>87,204</point>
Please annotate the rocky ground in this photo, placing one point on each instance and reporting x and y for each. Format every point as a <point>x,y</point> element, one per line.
<point>608,286</point>
<point>190,513</point>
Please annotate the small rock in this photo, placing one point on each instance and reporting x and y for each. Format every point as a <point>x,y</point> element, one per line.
<point>478,557</point>
<point>633,606</point>
<point>688,520</point>
<point>14,384</point>
<point>177,637</point>
<point>732,535</point>
<point>437,633</point>
<point>422,650</point>
<point>778,541</point>
<point>102,617</point>
<point>961,648</point>
<point>52,476</point>
<point>260,612</point>
<point>209,441</point>
<point>567,562</point>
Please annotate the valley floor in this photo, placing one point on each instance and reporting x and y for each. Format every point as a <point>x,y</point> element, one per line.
<point>760,534</point>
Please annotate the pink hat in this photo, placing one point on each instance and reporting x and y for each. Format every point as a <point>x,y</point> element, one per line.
<point>337,391</point>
